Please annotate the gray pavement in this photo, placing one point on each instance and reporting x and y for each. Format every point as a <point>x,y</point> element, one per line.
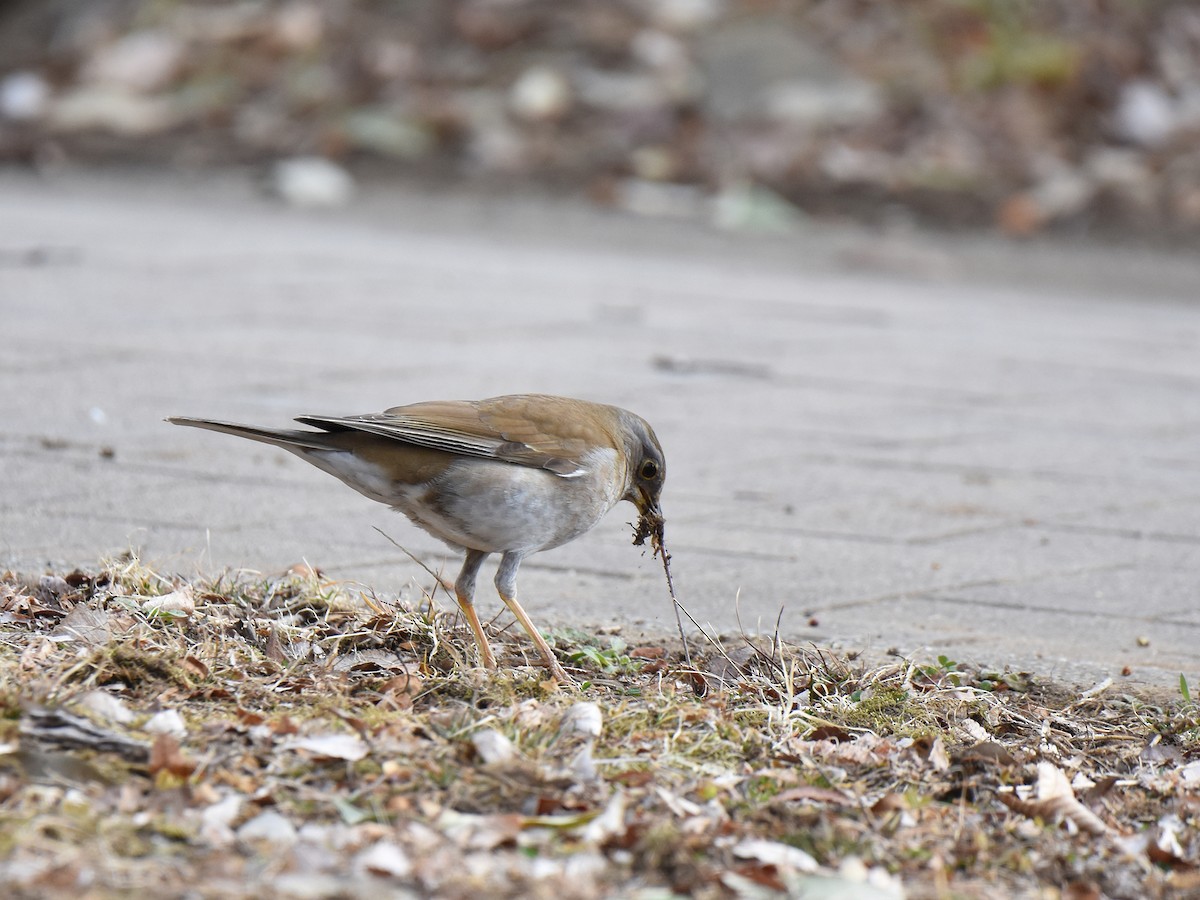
<point>938,445</point>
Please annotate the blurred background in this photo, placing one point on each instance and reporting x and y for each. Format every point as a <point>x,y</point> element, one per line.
<point>1076,116</point>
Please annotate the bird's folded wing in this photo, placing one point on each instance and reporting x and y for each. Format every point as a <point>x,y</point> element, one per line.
<point>513,431</point>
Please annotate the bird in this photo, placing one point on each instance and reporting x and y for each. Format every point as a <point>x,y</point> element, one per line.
<point>512,475</point>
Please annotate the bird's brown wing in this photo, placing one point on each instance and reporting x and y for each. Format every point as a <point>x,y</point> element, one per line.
<point>552,433</point>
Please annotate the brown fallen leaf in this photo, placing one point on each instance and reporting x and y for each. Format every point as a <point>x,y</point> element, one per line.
<point>647,652</point>
<point>250,718</point>
<point>284,725</point>
<point>985,753</point>
<point>1055,801</point>
<point>890,802</point>
<point>933,751</point>
<point>812,793</point>
<point>274,647</point>
<point>304,570</point>
<point>830,733</point>
<point>167,756</point>
<point>757,874</point>
<point>633,778</point>
<point>1082,890</point>
<point>407,683</point>
<point>85,625</point>
<point>180,602</point>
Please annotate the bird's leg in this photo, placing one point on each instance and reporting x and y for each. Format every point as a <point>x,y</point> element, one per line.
<point>464,592</point>
<point>506,585</point>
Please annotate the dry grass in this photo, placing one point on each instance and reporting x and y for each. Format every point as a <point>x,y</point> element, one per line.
<point>289,736</point>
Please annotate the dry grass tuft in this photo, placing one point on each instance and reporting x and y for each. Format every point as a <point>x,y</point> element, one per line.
<point>293,736</point>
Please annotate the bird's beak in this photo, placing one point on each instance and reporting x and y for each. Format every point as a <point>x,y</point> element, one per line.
<point>647,505</point>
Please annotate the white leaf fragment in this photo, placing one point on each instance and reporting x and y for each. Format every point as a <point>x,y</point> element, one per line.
<point>331,746</point>
<point>775,853</point>
<point>492,746</point>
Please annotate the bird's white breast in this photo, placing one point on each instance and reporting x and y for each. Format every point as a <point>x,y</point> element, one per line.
<point>494,506</point>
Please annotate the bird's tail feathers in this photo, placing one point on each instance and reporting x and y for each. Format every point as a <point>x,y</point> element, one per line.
<point>309,440</point>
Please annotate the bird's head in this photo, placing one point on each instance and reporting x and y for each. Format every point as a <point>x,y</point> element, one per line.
<point>647,467</point>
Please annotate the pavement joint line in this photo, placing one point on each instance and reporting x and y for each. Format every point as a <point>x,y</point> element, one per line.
<point>749,555</point>
<point>970,469</point>
<point>920,392</point>
<point>1135,534</point>
<point>1058,610</point>
<point>880,443</point>
<point>1168,462</point>
<point>928,593</point>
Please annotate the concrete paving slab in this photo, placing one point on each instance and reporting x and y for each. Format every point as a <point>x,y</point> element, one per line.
<point>997,462</point>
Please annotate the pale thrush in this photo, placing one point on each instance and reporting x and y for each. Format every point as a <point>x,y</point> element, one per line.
<point>510,475</point>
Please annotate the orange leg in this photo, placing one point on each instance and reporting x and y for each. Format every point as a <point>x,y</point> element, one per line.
<point>506,585</point>
<point>464,592</point>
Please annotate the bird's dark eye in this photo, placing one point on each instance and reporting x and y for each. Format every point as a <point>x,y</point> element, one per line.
<point>649,470</point>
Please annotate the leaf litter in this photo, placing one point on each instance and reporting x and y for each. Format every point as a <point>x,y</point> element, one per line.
<point>294,736</point>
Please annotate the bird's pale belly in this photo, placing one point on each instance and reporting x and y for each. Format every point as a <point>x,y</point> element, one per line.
<point>493,506</point>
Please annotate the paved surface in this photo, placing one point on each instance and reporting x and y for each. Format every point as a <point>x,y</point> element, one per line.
<point>983,450</point>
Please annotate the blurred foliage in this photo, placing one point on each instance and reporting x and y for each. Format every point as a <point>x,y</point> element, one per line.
<point>1026,114</point>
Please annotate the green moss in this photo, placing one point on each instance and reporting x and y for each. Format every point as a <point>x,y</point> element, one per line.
<point>882,712</point>
<point>137,667</point>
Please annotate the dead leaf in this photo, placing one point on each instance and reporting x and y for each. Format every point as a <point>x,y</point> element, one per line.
<point>987,753</point>
<point>1165,849</point>
<point>249,718</point>
<point>759,876</point>
<point>106,706</point>
<point>934,753</point>
<point>331,746</point>
<point>480,832</point>
<point>1055,801</point>
<point>1157,751</point>
<point>775,853</point>
<point>284,725</point>
<point>167,721</point>
<point>371,660</point>
<point>1082,890</point>
<point>889,803</point>
<point>304,570</point>
<point>609,824</point>
<point>1099,790</point>
<point>1019,216</point>
<point>648,653</point>
<point>386,859</point>
<point>195,666</point>
<point>166,756</point>
<point>695,680</point>
<point>180,602</point>
<point>59,728</point>
<point>274,646</point>
<point>633,778</point>
<point>493,747</point>
<point>830,733</point>
<point>1190,773</point>
<point>269,827</point>
<point>406,683</point>
<point>813,794</point>
<point>583,718</point>
<point>85,624</point>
